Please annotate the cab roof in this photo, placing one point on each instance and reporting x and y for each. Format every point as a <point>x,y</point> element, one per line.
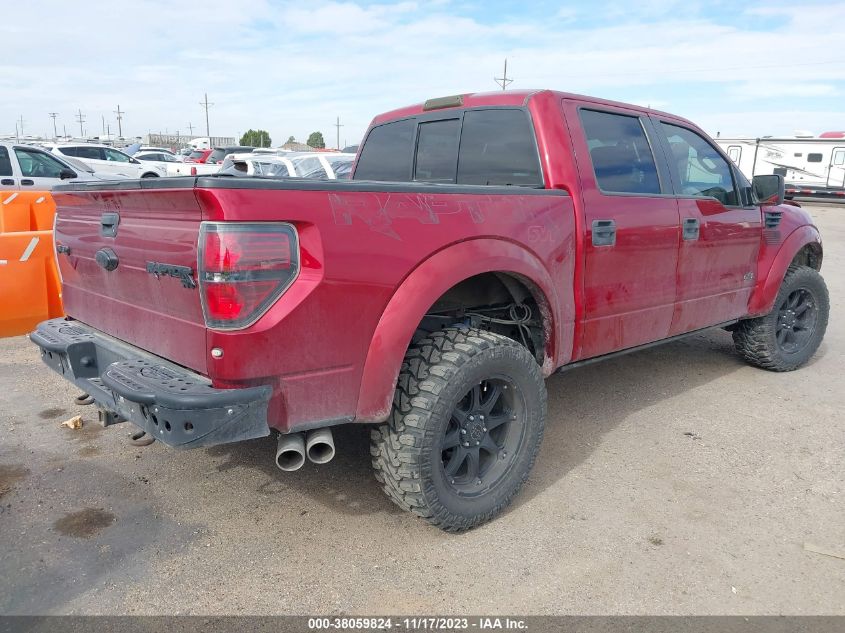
<point>505,98</point>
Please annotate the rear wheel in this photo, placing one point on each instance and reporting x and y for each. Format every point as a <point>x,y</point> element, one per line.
<point>149,174</point>
<point>790,334</point>
<point>466,425</point>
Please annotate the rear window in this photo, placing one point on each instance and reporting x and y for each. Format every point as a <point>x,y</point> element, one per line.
<point>490,147</point>
<point>437,151</point>
<point>216,156</point>
<point>497,148</point>
<point>196,154</point>
<point>387,152</point>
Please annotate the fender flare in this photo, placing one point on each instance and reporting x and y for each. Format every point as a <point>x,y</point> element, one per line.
<point>418,292</point>
<point>766,290</point>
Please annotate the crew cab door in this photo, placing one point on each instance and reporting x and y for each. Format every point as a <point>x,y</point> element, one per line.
<point>720,235</point>
<point>631,229</point>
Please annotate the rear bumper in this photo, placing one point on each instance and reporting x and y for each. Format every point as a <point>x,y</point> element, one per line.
<point>172,404</point>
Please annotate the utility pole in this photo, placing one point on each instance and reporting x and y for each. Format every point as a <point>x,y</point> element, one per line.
<point>190,129</point>
<point>103,116</point>
<point>21,125</point>
<point>338,126</point>
<point>205,104</point>
<point>119,114</point>
<point>64,127</point>
<point>53,116</point>
<point>81,118</point>
<point>504,81</point>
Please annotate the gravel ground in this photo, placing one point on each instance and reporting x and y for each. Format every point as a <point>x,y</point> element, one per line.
<point>672,481</point>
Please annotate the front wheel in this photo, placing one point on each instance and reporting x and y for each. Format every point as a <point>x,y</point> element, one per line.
<point>467,422</point>
<point>790,334</point>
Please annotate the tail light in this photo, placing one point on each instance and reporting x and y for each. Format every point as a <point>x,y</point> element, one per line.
<point>244,269</point>
<point>193,171</point>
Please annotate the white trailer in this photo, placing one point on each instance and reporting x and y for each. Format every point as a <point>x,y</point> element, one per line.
<point>809,165</point>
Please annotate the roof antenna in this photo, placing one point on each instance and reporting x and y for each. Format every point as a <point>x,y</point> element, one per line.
<point>504,81</point>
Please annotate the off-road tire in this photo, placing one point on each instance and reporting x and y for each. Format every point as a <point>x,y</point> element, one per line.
<point>436,373</point>
<point>756,339</point>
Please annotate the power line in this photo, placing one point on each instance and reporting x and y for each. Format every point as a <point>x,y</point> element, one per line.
<point>53,116</point>
<point>119,114</point>
<point>205,104</point>
<point>504,81</point>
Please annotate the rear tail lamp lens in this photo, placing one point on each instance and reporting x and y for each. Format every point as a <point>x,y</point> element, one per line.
<point>244,269</point>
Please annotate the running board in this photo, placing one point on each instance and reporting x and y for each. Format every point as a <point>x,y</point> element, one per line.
<point>629,350</point>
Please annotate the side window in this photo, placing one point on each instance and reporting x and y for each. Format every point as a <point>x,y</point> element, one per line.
<point>35,164</point>
<point>838,157</point>
<point>701,170</point>
<point>814,158</point>
<point>497,148</point>
<point>437,151</point>
<point>5,162</point>
<point>387,153</point>
<point>620,153</point>
<point>114,155</point>
<point>82,152</point>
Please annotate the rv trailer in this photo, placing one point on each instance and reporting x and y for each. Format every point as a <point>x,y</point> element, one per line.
<point>811,166</point>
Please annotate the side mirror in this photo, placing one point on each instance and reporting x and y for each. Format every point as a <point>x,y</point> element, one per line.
<point>768,190</point>
<point>67,173</point>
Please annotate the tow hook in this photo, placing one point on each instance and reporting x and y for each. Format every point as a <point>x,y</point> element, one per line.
<point>141,438</point>
<point>83,399</point>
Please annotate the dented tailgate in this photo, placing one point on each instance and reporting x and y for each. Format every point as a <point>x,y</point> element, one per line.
<point>128,260</point>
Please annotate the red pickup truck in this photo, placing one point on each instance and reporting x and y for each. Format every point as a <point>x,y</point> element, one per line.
<point>484,242</point>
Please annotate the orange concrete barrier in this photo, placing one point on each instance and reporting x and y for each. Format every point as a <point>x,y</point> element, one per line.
<point>26,211</point>
<point>30,290</point>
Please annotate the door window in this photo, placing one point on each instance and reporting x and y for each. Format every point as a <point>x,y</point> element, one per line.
<point>35,164</point>
<point>839,157</point>
<point>5,162</point>
<point>619,151</point>
<point>115,156</point>
<point>85,153</point>
<point>700,169</point>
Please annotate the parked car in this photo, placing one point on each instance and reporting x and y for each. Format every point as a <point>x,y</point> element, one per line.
<point>484,242</point>
<point>319,166</point>
<point>171,165</point>
<point>109,160</point>
<point>219,153</point>
<point>25,167</point>
<point>198,155</point>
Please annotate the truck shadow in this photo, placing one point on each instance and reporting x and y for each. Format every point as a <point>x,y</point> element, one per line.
<point>584,405</point>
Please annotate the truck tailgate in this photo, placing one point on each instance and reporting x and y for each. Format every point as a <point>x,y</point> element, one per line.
<point>134,231</point>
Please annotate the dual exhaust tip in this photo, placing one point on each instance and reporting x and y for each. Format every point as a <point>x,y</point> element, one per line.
<point>316,445</point>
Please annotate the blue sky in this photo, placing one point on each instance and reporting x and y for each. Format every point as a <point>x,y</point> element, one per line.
<point>738,68</point>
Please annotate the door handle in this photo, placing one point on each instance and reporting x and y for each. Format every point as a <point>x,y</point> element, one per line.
<point>604,232</point>
<point>27,181</point>
<point>7,181</point>
<point>691,229</point>
<point>108,224</point>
